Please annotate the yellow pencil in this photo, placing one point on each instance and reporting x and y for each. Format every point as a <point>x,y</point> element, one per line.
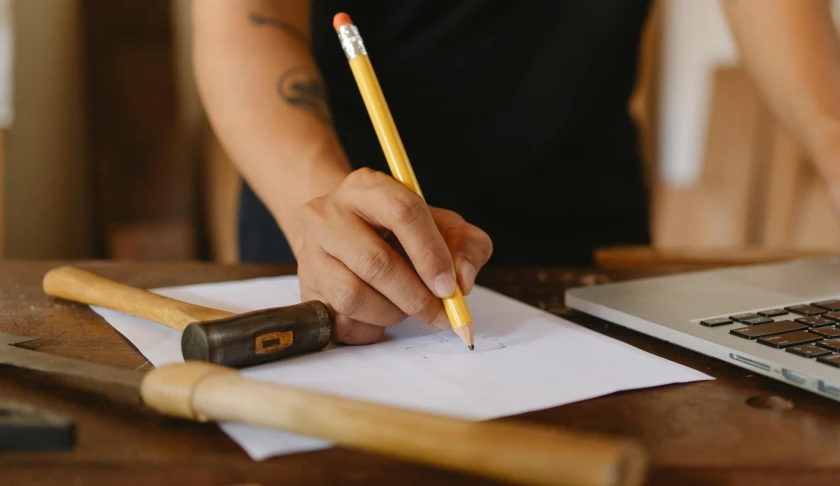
<point>389,138</point>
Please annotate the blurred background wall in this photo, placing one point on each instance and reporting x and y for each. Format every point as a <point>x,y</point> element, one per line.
<point>109,155</point>
<point>46,185</point>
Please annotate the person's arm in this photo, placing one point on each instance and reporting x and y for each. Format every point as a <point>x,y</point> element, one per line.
<point>791,50</point>
<point>265,100</point>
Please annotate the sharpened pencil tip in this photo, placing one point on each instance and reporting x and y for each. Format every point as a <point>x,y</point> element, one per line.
<point>466,335</point>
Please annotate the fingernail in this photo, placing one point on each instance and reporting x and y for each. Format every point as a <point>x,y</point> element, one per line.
<point>468,273</point>
<point>444,285</point>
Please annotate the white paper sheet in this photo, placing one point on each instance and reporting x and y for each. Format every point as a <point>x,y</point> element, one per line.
<point>525,359</point>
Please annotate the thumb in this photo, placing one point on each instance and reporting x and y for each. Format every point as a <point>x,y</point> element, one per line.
<point>469,245</point>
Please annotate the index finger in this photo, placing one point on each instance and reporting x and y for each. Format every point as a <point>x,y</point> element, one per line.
<point>385,202</point>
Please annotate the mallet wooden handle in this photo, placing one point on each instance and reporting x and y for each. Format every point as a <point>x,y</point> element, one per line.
<point>74,284</point>
<point>507,451</point>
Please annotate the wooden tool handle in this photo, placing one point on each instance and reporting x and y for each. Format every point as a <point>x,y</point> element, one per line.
<point>77,285</point>
<point>499,450</point>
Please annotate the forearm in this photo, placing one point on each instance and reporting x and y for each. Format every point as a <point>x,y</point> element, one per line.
<point>790,48</point>
<point>266,101</point>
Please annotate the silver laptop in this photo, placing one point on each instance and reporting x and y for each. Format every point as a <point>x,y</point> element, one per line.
<point>781,320</point>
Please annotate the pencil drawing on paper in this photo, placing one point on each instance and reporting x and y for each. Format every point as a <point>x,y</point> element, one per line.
<point>419,330</point>
<point>448,348</point>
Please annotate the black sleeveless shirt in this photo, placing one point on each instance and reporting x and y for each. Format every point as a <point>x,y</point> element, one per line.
<point>513,114</point>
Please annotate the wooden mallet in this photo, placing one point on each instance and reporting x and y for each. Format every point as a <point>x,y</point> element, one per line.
<point>212,335</point>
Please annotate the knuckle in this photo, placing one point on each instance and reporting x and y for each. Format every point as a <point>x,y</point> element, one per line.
<point>430,256</point>
<point>313,211</point>
<point>450,216</point>
<point>488,242</point>
<point>407,207</point>
<point>376,265</point>
<point>482,236</point>
<point>348,298</point>
<point>398,317</point>
<point>422,307</point>
<point>362,176</point>
<point>482,239</point>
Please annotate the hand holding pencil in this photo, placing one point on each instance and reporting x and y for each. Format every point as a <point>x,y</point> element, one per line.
<point>345,262</point>
<point>375,252</point>
<point>386,130</point>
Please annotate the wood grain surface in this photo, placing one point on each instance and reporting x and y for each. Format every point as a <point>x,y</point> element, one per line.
<point>740,429</point>
<point>77,285</point>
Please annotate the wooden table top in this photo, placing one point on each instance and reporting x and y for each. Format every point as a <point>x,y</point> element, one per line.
<point>714,432</point>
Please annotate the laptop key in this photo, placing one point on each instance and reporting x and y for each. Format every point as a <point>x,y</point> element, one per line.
<point>757,320</point>
<point>808,351</point>
<point>744,317</point>
<point>772,312</point>
<point>721,321</point>
<point>827,332</point>
<point>815,321</point>
<point>832,305</point>
<point>832,360</point>
<point>789,339</point>
<point>831,344</point>
<point>806,310</point>
<point>778,327</point>
<point>832,315</point>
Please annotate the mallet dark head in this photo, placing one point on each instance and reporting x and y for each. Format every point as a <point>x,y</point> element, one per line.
<point>212,335</point>
<point>259,337</point>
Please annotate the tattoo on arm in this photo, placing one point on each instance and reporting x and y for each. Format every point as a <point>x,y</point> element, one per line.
<point>260,20</point>
<point>302,87</point>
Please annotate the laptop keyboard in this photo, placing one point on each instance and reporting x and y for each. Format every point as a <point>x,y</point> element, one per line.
<point>811,331</point>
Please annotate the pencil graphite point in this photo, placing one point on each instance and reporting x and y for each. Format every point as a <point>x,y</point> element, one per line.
<point>466,335</point>
<point>340,19</point>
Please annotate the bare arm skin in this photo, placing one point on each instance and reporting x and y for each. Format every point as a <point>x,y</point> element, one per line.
<point>791,50</point>
<point>265,99</point>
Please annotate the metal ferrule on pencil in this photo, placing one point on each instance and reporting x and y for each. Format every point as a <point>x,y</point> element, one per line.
<point>351,41</point>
